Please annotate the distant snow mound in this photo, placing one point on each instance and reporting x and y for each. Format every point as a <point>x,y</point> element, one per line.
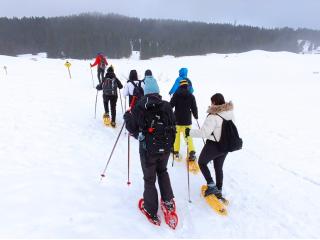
<point>135,55</point>
<point>308,47</point>
<point>33,57</point>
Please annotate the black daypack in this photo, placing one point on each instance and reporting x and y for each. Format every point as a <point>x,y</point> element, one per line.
<point>137,90</point>
<point>160,130</point>
<point>109,86</point>
<point>229,140</point>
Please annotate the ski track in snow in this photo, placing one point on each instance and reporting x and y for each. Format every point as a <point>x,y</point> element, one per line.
<point>52,150</point>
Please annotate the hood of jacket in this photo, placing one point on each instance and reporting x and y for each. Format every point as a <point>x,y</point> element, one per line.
<point>183,72</point>
<point>214,109</point>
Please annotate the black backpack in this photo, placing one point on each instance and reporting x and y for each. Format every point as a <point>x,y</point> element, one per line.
<point>137,90</point>
<point>230,140</point>
<point>109,86</point>
<point>160,129</point>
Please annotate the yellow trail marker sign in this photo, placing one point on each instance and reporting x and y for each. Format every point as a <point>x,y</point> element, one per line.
<point>68,65</point>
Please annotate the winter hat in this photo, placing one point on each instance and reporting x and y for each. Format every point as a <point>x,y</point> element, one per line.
<point>150,85</point>
<point>183,82</point>
<point>110,69</point>
<point>148,73</point>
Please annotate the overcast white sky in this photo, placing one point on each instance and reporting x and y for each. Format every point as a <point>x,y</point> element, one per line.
<point>267,13</point>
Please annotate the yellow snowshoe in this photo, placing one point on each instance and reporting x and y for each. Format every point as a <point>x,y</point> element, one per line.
<point>214,202</point>
<point>106,120</point>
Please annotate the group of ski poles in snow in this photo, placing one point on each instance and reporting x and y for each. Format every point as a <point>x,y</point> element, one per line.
<point>152,121</point>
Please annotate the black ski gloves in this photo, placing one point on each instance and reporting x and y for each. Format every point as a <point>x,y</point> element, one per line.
<point>187,132</point>
<point>99,87</point>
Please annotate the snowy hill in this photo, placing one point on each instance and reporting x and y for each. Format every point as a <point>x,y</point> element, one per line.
<point>52,150</point>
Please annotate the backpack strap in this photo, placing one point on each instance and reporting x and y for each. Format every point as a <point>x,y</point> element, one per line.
<point>213,132</point>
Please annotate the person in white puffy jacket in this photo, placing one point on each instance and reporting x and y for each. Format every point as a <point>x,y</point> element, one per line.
<point>129,87</point>
<point>211,130</point>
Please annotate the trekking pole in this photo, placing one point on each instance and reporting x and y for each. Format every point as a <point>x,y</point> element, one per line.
<point>128,180</point>
<point>133,101</point>
<point>92,77</point>
<point>121,101</point>
<point>200,128</point>
<point>188,171</point>
<point>103,174</point>
<point>95,106</point>
<point>125,109</point>
<point>5,69</point>
<point>172,159</point>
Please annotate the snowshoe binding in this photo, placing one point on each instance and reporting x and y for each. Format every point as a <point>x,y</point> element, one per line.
<point>177,157</point>
<point>154,219</point>
<point>193,165</point>
<point>106,119</point>
<point>213,201</point>
<point>169,211</point>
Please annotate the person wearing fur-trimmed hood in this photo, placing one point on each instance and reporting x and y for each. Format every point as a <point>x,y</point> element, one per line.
<point>211,130</point>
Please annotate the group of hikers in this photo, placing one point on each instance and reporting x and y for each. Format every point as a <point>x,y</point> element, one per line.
<point>157,125</point>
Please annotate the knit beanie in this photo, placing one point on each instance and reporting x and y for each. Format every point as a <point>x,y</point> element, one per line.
<point>148,73</point>
<point>150,85</point>
<point>183,82</point>
<point>110,69</point>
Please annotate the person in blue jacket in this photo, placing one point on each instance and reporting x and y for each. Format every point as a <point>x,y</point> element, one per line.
<point>183,72</point>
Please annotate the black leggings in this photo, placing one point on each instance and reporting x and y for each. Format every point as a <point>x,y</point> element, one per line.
<point>210,152</point>
<point>113,104</point>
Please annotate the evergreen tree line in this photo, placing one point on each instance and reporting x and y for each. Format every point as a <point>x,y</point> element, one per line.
<point>82,36</point>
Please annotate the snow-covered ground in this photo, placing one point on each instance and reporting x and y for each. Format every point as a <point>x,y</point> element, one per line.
<point>52,150</point>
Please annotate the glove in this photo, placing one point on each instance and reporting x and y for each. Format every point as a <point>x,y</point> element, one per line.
<point>187,132</point>
<point>99,87</point>
<point>90,65</point>
<point>127,116</point>
<point>196,117</point>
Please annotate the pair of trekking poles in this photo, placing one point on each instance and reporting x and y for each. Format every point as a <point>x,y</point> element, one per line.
<point>189,198</point>
<point>103,174</point>
<point>95,105</point>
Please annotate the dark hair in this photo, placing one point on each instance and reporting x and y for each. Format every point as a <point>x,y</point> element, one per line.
<point>133,75</point>
<point>148,73</point>
<point>217,99</point>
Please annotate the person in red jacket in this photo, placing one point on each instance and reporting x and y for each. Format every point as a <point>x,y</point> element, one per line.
<point>101,63</point>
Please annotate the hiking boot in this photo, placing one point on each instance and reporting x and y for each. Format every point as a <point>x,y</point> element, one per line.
<point>212,189</point>
<point>113,124</point>
<point>192,156</point>
<point>170,205</point>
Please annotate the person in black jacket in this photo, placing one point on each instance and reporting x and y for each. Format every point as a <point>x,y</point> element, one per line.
<point>184,104</point>
<point>110,85</point>
<point>153,164</point>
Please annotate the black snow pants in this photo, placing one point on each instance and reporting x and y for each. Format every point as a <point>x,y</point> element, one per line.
<point>210,152</point>
<point>100,74</point>
<point>113,104</point>
<point>154,166</point>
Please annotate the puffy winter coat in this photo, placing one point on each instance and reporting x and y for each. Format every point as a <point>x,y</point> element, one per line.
<point>213,122</point>
<point>98,60</point>
<point>184,103</point>
<point>183,73</point>
<point>128,88</point>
